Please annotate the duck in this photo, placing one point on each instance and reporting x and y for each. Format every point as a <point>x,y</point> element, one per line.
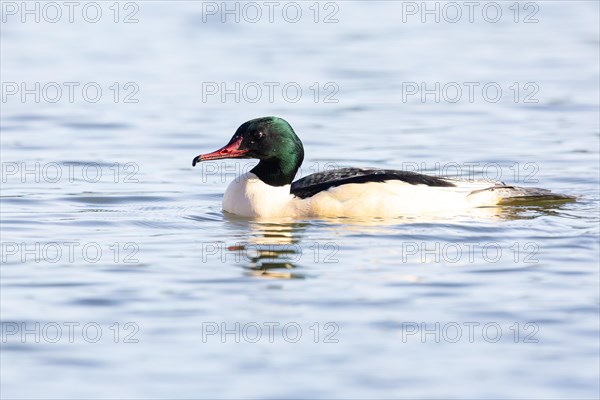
<point>269,191</point>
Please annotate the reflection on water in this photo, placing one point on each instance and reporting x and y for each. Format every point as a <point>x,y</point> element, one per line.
<point>275,248</point>
<point>271,250</point>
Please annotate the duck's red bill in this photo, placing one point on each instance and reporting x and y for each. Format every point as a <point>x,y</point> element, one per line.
<point>231,150</point>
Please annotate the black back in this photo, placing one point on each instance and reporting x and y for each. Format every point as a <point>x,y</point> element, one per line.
<point>315,183</point>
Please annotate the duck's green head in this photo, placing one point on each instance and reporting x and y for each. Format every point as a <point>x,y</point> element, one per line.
<point>273,141</point>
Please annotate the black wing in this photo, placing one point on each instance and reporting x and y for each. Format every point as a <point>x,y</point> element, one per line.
<point>315,183</point>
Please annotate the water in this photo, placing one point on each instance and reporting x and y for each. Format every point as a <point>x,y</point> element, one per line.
<point>495,302</point>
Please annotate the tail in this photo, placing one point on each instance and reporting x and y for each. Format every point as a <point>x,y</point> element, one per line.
<point>515,195</point>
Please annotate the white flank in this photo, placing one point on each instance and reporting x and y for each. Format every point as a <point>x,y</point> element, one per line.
<point>250,197</point>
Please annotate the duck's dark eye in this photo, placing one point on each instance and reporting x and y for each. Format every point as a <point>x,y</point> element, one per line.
<point>257,136</point>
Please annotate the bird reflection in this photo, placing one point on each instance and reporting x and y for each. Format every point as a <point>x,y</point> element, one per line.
<point>275,249</point>
<point>270,249</point>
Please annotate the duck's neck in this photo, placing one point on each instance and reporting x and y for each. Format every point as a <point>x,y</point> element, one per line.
<point>278,172</point>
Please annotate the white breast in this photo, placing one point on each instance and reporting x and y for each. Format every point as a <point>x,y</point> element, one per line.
<point>248,196</point>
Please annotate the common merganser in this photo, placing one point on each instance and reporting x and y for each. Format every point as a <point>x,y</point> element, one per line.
<point>268,191</point>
